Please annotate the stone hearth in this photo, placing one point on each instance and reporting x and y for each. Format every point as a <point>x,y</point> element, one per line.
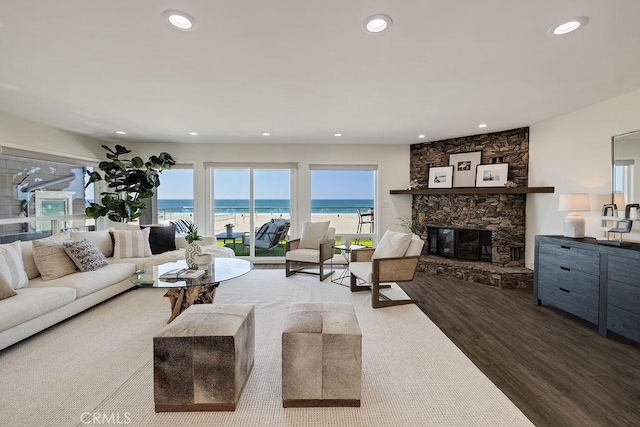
<point>502,214</point>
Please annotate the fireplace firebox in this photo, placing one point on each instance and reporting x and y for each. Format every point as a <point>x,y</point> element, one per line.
<point>461,243</point>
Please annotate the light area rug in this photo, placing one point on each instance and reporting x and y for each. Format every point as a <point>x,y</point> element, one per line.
<point>100,364</point>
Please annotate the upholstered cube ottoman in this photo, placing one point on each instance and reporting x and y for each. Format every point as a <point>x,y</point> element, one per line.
<point>202,359</point>
<point>321,356</point>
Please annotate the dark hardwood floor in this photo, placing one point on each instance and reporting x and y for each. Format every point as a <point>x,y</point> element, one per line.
<point>554,367</point>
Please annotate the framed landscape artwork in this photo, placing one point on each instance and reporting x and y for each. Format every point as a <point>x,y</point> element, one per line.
<point>464,168</point>
<point>494,175</point>
<point>441,177</point>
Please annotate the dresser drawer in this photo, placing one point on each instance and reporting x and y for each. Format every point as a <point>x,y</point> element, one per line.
<point>569,301</point>
<point>553,273</point>
<point>624,296</point>
<point>624,323</point>
<point>624,270</point>
<point>587,261</point>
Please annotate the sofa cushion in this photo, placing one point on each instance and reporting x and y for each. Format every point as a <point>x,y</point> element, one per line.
<point>392,245</point>
<point>101,238</point>
<point>88,282</point>
<point>131,244</point>
<point>85,255</point>
<point>162,238</point>
<point>12,274</point>
<point>143,262</point>
<point>6,290</point>
<point>313,234</point>
<point>27,258</point>
<point>303,255</point>
<point>362,269</point>
<point>31,303</point>
<point>415,247</point>
<point>51,259</point>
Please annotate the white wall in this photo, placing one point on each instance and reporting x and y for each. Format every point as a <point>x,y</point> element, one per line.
<point>20,133</point>
<point>392,161</point>
<point>573,153</point>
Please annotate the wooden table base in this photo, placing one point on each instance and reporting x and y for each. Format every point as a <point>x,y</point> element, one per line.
<point>182,298</point>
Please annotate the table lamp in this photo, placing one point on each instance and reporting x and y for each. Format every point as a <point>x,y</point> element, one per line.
<point>574,222</point>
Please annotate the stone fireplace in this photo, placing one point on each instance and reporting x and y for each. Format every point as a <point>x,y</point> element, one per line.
<point>485,231</point>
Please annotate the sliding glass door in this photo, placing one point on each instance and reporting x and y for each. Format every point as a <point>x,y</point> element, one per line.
<point>252,208</point>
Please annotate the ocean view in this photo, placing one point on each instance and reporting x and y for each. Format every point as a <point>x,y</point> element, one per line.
<point>223,206</point>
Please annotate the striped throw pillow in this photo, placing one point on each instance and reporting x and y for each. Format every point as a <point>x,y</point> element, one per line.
<point>12,272</point>
<point>131,244</point>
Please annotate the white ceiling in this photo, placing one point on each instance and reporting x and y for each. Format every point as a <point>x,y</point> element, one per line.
<point>305,70</point>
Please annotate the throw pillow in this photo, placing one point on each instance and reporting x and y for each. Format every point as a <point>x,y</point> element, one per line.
<point>6,291</point>
<point>131,244</point>
<point>313,234</point>
<point>85,255</point>
<point>162,238</point>
<point>12,273</point>
<point>392,245</point>
<point>101,238</point>
<point>51,259</point>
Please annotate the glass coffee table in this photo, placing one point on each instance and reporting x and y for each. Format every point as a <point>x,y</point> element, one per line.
<point>182,292</point>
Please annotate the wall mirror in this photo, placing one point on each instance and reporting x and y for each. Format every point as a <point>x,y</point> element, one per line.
<point>626,173</point>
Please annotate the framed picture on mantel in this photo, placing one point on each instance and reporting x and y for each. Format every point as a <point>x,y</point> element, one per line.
<point>494,175</point>
<point>440,177</point>
<point>464,168</point>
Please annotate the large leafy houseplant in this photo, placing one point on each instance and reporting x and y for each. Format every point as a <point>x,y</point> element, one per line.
<point>129,181</point>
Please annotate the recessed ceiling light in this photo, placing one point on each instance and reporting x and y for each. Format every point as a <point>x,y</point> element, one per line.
<point>179,20</point>
<point>193,133</point>
<point>266,134</point>
<point>376,23</point>
<point>121,132</point>
<point>482,125</point>
<point>568,26</point>
<point>422,136</point>
<point>337,134</point>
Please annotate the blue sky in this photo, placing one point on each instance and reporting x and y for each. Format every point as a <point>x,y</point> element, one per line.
<point>270,184</point>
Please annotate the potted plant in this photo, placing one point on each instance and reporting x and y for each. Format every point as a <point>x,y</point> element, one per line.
<point>192,235</point>
<point>129,181</point>
<point>193,249</point>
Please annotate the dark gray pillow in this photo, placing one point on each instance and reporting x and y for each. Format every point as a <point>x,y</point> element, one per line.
<point>162,238</point>
<point>85,254</point>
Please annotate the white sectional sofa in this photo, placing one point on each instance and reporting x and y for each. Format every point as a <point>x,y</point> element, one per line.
<point>43,303</point>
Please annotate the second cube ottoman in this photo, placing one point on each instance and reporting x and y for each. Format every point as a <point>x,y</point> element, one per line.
<point>321,356</point>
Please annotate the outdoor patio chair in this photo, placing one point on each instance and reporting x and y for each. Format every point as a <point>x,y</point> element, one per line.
<point>270,234</point>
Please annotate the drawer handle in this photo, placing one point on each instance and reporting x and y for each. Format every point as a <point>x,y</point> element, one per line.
<point>565,268</point>
<point>565,247</point>
<point>565,290</point>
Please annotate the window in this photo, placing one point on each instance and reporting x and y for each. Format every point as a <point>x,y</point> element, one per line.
<point>38,187</point>
<point>345,196</point>
<point>175,194</point>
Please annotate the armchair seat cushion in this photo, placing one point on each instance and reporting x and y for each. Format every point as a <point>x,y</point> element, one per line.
<point>303,255</point>
<point>362,270</point>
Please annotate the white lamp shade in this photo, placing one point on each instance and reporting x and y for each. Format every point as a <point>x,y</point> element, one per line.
<point>575,202</point>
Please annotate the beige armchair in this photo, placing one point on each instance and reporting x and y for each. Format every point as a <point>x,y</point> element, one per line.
<point>375,270</point>
<point>315,247</point>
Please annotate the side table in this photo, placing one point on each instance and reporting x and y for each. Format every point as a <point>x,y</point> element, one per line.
<point>346,254</point>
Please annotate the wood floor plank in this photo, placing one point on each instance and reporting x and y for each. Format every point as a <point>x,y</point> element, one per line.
<point>553,366</point>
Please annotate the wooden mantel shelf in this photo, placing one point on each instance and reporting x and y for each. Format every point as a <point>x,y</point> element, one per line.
<point>473,190</point>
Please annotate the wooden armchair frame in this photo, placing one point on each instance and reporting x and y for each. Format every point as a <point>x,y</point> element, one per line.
<point>401,269</point>
<point>325,253</point>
